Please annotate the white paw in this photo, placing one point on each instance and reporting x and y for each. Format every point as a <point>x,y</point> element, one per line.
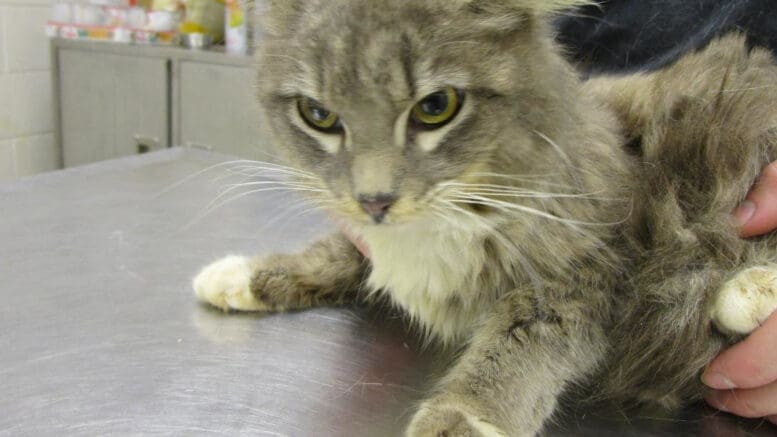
<point>449,420</point>
<point>226,284</point>
<point>746,300</point>
<point>486,429</point>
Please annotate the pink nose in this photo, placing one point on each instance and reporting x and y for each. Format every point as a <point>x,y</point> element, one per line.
<point>377,206</point>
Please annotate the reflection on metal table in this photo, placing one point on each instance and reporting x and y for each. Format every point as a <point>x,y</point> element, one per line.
<point>100,333</point>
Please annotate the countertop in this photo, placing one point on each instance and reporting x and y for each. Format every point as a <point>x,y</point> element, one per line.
<point>213,55</point>
<point>100,333</point>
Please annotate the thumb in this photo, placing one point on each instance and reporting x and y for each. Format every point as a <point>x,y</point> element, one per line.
<point>749,364</point>
<point>757,215</point>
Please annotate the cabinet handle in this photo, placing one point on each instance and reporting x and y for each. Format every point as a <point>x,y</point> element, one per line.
<point>145,143</point>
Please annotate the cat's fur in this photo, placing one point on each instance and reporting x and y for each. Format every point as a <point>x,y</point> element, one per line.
<point>565,232</point>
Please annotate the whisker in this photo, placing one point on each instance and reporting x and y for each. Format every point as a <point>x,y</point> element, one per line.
<point>246,163</point>
<point>500,190</point>
<point>318,204</point>
<point>526,178</point>
<point>270,168</point>
<point>212,207</point>
<point>506,243</point>
<point>555,146</point>
<point>194,175</point>
<point>252,172</point>
<point>461,197</point>
<point>534,195</point>
<point>312,188</point>
<point>233,187</point>
<point>279,166</point>
<point>505,206</point>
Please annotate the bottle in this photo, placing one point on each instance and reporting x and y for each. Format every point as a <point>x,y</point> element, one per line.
<point>236,26</point>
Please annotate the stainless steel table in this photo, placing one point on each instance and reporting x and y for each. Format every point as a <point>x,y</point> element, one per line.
<point>100,333</point>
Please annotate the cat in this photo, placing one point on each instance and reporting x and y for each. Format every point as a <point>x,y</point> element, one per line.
<point>560,232</point>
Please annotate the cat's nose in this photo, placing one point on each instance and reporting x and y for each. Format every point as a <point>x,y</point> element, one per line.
<point>377,206</point>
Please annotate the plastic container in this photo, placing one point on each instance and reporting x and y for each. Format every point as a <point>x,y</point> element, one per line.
<point>88,14</point>
<point>236,26</point>
<point>205,16</point>
<point>162,21</point>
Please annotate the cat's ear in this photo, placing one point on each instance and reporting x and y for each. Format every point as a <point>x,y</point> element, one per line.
<point>279,17</point>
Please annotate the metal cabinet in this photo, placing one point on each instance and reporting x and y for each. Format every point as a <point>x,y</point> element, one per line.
<point>218,110</point>
<point>115,100</point>
<point>112,105</point>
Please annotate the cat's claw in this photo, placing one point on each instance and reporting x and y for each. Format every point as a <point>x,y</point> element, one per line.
<point>226,284</point>
<point>447,420</point>
<point>746,300</point>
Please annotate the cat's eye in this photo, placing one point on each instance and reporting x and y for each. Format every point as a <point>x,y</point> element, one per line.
<point>317,116</point>
<point>437,109</point>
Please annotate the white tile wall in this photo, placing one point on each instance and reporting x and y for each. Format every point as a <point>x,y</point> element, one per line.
<point>27,143</point>
<point>3,56</point>
<point>26,104</point>
<point>27,48</point>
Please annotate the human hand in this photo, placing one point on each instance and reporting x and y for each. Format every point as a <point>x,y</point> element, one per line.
<point>758,213</point>
<point>356,240</point>
<point>744,377</point>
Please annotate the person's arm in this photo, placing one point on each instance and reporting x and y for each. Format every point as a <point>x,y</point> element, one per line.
<point>743,378</point>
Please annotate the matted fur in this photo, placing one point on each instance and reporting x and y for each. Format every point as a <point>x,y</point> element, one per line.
<point>707,127</point>
<point>561,232</point>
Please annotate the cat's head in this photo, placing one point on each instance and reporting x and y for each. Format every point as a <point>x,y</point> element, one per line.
<point>388,105</point>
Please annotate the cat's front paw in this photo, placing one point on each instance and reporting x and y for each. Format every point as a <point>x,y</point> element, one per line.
<point>441,419</point>
<point>226,284</point>
<point>746,300</point>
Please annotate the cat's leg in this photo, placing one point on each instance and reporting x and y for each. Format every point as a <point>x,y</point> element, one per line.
<point>745,301</point>
<point>518,362</point>
<point>329,272</point>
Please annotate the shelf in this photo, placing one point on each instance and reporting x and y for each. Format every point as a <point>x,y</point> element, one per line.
<point>216,55</point>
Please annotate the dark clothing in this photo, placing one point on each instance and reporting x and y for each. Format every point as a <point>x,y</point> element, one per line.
<point>628,35</point>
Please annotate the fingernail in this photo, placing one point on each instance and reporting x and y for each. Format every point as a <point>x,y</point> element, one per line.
<point>744,213</point>
<point>712,398</point>
<point>717,381</point>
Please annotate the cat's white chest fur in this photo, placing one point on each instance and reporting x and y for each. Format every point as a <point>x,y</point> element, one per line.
<point>426,271</point>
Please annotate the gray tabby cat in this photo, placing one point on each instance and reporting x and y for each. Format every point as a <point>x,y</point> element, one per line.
<point>565,232</point>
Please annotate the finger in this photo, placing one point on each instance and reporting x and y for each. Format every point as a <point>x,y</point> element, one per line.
<point>758,214</point>
<point>773,419</point>
<point>356,240</point>
<point>748,364</point>
<point>753,403</point>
